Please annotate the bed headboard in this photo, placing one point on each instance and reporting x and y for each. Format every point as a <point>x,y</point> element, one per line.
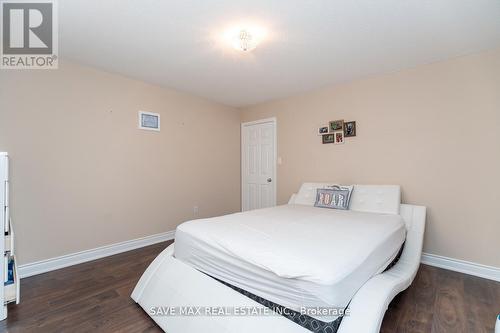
<point>365,198</point>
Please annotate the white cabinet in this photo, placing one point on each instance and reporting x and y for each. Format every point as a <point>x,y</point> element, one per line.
<point>9,291</point>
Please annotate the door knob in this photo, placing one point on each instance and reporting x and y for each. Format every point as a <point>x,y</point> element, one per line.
<point>269,180</point>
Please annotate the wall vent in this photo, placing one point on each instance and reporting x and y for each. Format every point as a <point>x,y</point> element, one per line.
<point>149,121</point>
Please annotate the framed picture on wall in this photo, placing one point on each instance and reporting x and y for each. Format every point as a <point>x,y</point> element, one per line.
<point>339,137</point>
<point>323,129</point>
<point>336,125</point>
<point>328,138</point>
<point>350,128</point>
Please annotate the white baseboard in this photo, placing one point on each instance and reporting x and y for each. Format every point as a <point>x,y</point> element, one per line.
<point>92,254</point>
<point>462,266</point>
<point>43,266</point>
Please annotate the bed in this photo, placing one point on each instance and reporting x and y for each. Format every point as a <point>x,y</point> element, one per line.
<point>296,256</point>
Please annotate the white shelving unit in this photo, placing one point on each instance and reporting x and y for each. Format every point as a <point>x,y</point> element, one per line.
<point>10,291</point>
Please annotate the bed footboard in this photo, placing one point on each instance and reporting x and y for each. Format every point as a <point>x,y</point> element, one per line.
<point>170,285</point>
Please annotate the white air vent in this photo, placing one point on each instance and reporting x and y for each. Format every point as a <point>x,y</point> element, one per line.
<point>149,121</point>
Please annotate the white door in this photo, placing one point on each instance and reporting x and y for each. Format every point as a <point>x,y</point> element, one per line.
<point>258,164</point>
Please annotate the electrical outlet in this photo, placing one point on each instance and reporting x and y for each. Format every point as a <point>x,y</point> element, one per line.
<point>196,210</point>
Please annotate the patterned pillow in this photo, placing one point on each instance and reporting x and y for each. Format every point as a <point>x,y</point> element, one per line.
<point>335,197</point>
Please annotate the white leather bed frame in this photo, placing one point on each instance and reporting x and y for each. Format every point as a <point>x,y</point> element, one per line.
<point>168,282</point>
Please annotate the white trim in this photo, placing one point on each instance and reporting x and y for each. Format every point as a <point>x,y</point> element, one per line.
<point>260,121</point>
<point>39,267</point>
<point>274,121</point>
<point>462,266</point>
<point>51,264</point>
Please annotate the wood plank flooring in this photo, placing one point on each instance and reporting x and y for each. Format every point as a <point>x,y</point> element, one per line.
<point>95,297</point>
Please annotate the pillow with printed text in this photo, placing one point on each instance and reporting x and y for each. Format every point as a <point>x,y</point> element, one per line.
<point>335,197</point>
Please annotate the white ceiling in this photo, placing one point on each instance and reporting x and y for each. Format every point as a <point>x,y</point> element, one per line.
<point>310,44</point>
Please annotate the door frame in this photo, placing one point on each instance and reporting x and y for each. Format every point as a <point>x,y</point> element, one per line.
<point>273,121</point>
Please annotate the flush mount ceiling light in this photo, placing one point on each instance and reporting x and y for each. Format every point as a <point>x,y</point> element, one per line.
<point>244,41</point>
<point>244,38</point>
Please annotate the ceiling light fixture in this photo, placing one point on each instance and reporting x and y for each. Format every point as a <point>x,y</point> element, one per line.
<point>243,37</point>
<point>244,41</point>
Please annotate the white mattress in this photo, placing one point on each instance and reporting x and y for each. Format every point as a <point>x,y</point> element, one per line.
<point>294,255</point>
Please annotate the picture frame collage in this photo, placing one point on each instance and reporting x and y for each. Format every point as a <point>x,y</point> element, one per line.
<point>336,131</point>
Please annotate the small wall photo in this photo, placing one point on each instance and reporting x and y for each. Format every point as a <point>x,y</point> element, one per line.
<point>339,137</point>
<point>323,129</point>
<point>336,125</point>
<point>328,138</point>
<point>350,128</point>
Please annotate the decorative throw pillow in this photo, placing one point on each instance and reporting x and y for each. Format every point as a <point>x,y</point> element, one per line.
<point>349,188</point>
<point>335,197</point>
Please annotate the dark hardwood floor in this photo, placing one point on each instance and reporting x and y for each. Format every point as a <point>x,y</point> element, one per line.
<point>95,297</point>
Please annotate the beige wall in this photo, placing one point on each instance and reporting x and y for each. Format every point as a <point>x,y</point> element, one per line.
<point>83,175</point>
<point>434,129</point>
